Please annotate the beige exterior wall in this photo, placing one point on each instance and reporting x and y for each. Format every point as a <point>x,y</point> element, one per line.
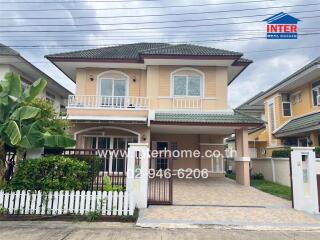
<point>155,83</point>
<point>107,112</point>
<point>191,142</point>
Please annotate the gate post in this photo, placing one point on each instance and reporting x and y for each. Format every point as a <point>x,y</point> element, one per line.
<point>304,179</point>
<point>137,173</point>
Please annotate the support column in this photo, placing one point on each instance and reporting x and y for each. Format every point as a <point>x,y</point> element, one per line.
<point>242,160</point>
<point>137,173</point>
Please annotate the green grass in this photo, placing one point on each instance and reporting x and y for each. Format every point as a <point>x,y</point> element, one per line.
<point>268,187</point>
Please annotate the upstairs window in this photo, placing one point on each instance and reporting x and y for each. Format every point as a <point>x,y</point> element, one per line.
<point>286,105</point>
<point>187,83</point>
<point>315,92</point>
<point>113,84</point>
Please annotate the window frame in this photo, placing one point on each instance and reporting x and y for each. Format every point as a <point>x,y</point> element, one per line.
<point>283,109</point>
<point>317,89</point>
<point>104,76</point>
<point>176,74</point>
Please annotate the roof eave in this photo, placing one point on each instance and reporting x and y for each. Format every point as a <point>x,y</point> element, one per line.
<point>245,65</point>
<point>237,125</point>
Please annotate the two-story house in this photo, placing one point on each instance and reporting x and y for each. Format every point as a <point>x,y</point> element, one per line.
<point>168,96</point>
<point>292,109</point>
<point>12,61</point>
<point>257,136</point>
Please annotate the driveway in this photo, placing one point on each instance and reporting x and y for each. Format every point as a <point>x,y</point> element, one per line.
<point>223,202</point>
<point>119,231</point>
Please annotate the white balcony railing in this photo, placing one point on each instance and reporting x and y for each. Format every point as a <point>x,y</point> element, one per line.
<point>93,101</point>
<point>187,103</point>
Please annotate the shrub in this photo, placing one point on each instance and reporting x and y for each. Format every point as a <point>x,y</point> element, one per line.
<point>93,216</point>
<point>52,173</point>
<point>107,185</point>
<point>257,176</point>
<point>317,150</point>
<point>281,153</point>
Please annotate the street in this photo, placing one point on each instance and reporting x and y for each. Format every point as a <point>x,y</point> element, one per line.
<point>51,230</point>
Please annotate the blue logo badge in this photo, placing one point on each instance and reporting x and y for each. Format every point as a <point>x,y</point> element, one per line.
<point>282,26</point>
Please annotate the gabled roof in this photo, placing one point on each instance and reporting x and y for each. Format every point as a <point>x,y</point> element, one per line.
<point>120,52</point>
<point>282,18</point>
<point>139,55</point>
<point>207,118</point>
<point>298,125</point>
<point>136,52</point>
<point>259,106</point>
<point>189,50</point>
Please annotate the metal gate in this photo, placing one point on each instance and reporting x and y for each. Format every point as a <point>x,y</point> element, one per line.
<point>160,184</point>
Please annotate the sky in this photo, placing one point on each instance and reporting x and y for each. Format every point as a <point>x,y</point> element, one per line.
<point>232,25</point>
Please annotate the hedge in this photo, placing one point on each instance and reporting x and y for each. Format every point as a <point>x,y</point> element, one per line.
<point>285,153</point>
<point>51,173</point>
<point>281,153</point>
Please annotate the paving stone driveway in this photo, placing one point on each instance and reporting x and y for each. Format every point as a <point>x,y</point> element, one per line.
<point>223,202</point>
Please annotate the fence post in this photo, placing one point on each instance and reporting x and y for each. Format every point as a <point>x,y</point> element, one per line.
<point>137,173</point>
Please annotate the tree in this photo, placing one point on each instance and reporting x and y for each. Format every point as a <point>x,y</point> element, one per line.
<point>21,124</point>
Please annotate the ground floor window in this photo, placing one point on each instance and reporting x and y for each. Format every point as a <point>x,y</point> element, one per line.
<point>296,142</point>
<point>115,161</point>
<point>162,161</point>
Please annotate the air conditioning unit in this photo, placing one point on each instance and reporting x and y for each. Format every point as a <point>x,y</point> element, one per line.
<point>318,100</point>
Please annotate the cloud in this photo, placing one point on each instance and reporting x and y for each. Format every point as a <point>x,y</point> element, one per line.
<point>268,67</point>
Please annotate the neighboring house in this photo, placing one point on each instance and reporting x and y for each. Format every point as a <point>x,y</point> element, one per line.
<point>12,61</point>
<point>292,109</point>
<point>167,96</point>
<point>257,136</point>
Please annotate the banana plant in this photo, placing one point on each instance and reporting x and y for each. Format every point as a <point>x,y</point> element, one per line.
<point>19,126</point>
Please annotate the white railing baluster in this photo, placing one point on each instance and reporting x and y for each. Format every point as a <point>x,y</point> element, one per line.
<point>114,102</point>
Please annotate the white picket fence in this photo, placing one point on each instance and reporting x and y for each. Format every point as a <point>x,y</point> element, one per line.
<point>67,202</point>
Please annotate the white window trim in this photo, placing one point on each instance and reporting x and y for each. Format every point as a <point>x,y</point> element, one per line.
<point>101,77</point>
<point>290,109</point>
<point>175,73</point>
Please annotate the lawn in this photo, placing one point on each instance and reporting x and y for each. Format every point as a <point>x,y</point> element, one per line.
<point>268,187</point>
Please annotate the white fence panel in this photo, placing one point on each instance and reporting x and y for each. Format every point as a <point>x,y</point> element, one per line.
<point>66,202</point>
<point>104,203</point>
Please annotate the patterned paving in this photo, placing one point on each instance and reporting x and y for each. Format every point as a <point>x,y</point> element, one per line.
<point>223,202</point>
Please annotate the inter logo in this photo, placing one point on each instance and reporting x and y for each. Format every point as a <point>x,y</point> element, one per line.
<point>282,26</point>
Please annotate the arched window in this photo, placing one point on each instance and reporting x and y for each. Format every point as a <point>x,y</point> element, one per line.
<point>113,83</point>
<point>187,82</point>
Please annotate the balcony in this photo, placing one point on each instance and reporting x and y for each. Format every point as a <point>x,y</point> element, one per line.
<point>187,103</point>
<point>107,102</point>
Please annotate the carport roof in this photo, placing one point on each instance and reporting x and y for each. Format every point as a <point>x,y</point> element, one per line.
<point>207,118</point>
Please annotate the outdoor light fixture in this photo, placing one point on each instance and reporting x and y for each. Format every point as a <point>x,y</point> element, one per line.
<point>134,78</point>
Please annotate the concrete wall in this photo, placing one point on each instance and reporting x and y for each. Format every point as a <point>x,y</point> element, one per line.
<point>275,169</point>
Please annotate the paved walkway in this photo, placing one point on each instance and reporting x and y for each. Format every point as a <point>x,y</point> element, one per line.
<point>223,202</point>
<point>118,231</point>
